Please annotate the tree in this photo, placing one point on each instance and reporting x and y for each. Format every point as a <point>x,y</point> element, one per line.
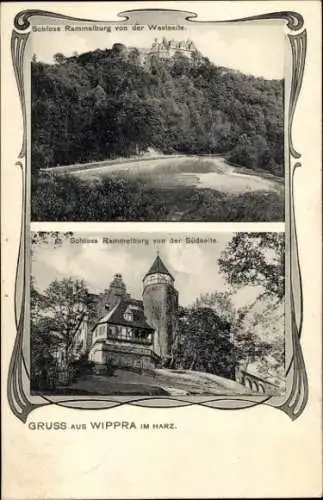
<point>248,348</point>
<point>53,239</point>
<point>256,259</point>
<point>181,64</point>
<point>246,345</point>
<point>273,365</point>
<point>36,303</point>
<point>203,343</point>
<point>65,303</point>
<point>258,336</point>
<point>134,56</point>
<point>256,333</point>
<point>59,58</point>
<point>41,342</point>
<point>220,302</point>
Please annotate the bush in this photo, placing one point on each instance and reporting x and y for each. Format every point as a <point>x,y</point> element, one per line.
<point>43,369</point>
<point>110,367</point>
<point>247,207</point>
<point>67,198</point>
<point>81,366</point>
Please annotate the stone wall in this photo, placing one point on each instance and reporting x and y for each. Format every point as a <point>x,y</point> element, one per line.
<point>160,306</point>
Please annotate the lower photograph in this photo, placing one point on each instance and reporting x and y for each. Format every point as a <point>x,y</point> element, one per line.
<point>157,315</point>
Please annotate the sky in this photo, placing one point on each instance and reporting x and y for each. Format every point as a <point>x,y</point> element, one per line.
<point>254,48</point>
<point>194,266</point>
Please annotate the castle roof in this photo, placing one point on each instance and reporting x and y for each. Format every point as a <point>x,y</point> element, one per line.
<point>117,315</point>
<point>158,267</point>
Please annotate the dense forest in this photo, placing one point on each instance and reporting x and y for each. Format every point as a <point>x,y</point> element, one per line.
<point>106,104</point>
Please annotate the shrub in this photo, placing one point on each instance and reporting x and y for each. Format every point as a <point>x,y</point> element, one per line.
<point>110,367</point>
<point>67,198</point>
<point>81,366</point>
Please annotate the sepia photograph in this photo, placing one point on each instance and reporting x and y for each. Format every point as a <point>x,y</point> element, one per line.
<point>157,123</point>
<point>161,166</point>
<point>167,315</point>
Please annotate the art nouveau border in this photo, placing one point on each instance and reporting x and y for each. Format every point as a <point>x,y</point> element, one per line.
<point>295,398</point>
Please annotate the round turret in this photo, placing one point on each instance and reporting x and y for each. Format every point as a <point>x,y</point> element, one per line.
<point>158,274</point>
<point>160,306</point>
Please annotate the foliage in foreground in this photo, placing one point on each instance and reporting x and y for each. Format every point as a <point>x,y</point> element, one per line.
<point>55,316</point>
<point>256,259</point>
<point>218,337</point>
<point>209,339</point>
<point>67,198</point>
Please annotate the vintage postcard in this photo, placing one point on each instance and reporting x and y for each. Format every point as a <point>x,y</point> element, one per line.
<point>161,239</point>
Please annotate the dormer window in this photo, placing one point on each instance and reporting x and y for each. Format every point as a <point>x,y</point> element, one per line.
<point>128,316</point>
<point>132,313</point>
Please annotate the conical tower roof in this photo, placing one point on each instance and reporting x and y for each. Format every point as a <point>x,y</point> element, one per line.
<point>158,267</point>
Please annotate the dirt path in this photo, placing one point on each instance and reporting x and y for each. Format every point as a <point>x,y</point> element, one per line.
<point>161,383</point>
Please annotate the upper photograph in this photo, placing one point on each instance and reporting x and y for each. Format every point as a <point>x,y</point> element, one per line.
<point>180,123</point>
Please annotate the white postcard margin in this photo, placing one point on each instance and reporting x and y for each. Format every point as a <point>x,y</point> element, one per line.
<point>265,453</point>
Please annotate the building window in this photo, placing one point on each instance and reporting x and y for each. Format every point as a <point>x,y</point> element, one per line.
<point>132,313</point>
<point>158,278</point>
<point>100,331</point>
<point>128,315</point>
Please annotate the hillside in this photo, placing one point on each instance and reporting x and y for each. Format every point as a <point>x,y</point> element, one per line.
<point>108,103</point>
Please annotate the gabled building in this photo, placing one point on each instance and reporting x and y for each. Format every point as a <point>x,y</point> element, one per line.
<point>160,50</point>
<point>136,333</point>
<point>165,49</point>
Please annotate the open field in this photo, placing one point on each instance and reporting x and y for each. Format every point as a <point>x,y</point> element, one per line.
<point>200,172</point>
<point>179,188</point>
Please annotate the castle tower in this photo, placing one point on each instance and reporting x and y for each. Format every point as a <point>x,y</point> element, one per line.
<point>160,300</point>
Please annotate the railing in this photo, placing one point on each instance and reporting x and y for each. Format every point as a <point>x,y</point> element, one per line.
<point>132,340</point>
<point>254,383</point>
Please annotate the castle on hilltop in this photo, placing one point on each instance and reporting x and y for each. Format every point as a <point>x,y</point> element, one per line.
<point>168,48</point>
<point>160,50</point>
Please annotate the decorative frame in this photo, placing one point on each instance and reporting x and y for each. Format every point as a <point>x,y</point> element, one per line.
<point>294,400</point>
